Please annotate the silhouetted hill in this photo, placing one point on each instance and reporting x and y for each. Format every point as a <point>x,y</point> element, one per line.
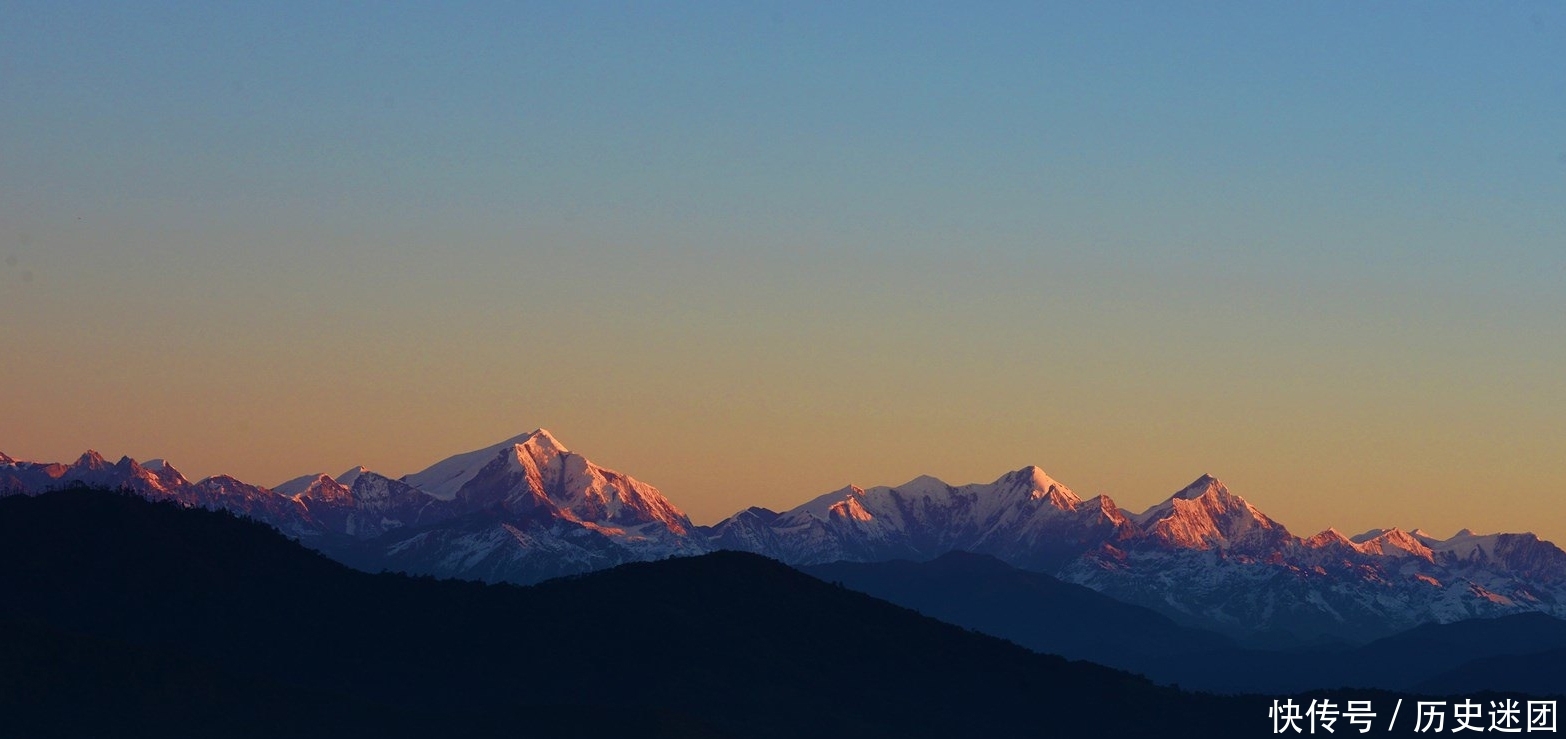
<point>725,645</point>
<point>1413,657</point>
<point>53,683</point>
<point>1410,660</point>
<point>1032,609</point>
<point>1540,673</point>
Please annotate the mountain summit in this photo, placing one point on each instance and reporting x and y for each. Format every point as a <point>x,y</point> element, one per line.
<point>1205,515</point>
<point>534,472</point>
<point>444,478</point>
<point>523,510</point>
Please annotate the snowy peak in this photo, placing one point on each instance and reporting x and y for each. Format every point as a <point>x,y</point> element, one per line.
<point>852,507</point>
<point>1393,542</point>
<point>1203,486</point>
<point>292,488</point>
<point>534,474</point>
<point>542,440</point>
<point>1103,506</point>
<point>161,479</point>
<point>348,476</point>
<point>537,452</point>
<point>756,513</point>
<point>820,507</point>
<point>90,460</point>
<point>222,481</point>
<point>1466,545</point>
<point>539,446</point>
<point>1205,515</point>
<point>1206,486</point>
<point>1331,538</point>
<point>1041,487</point>
<point>1368,535</point>
<point>167,474</point>
<point>325,489</point>
<point>1207,489</point>
<point>320,486</point>
<point>443,479</point>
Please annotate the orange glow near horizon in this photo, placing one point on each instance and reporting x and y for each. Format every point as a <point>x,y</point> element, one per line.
<point>1317,255</point>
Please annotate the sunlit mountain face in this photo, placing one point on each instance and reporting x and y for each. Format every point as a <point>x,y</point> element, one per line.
<point>529,509</point>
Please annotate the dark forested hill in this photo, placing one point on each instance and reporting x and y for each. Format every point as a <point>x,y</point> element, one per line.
<point>189,622</point>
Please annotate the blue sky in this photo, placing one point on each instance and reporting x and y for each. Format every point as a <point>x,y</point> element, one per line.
<point>1130,243</point>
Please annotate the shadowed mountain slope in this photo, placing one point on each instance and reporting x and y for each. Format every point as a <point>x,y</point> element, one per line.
<point>1032,609</point>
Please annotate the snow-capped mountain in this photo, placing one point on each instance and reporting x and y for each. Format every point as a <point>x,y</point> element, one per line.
<point>1025,518</point>
<point>1205,515</point>
<point>1204,556</point>
<point>535,471</point>
<point>523,510</point>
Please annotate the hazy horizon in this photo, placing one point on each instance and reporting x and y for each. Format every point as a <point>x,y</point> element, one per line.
<point>751,255</point>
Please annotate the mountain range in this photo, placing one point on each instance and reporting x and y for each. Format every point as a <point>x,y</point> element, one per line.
<point>529,509</point>
<point>524,510</point>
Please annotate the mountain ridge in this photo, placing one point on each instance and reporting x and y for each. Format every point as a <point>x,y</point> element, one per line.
<point>528,509</point>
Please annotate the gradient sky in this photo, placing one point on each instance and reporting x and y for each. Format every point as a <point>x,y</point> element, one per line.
<point>752,252</point>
